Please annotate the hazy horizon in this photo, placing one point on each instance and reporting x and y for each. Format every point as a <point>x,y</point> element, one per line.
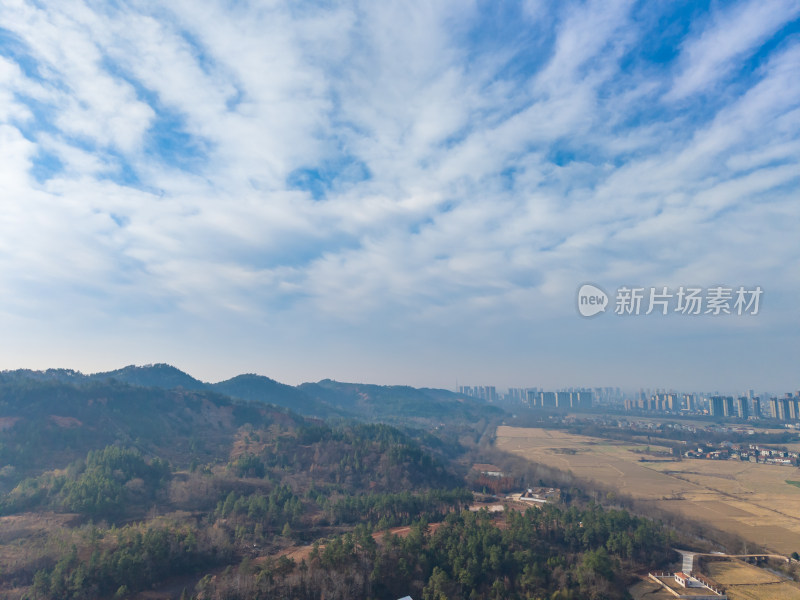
<point>501,388</point>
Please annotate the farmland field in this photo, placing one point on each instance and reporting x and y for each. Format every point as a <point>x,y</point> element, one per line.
<point>649,590</point>
<point>751,500</point>
<point>747,582</point>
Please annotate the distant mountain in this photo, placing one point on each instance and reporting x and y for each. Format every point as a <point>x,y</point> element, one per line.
<point>62,375</point>
<point>161,376</point>
<point>398,403</point>
<point>257,388</point>
<point>324,399</point>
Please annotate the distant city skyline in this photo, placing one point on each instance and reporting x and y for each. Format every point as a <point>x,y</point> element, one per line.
<point>622,392</point>
<point>402,193</point>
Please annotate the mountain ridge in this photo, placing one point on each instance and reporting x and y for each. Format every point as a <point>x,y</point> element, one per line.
<point>323,399</point>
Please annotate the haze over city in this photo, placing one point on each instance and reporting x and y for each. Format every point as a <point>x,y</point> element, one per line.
<point>401,192</point>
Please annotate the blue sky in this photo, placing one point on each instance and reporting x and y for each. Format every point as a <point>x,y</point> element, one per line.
<point>400,192</point>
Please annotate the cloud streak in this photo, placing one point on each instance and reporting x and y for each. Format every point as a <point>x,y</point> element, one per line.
<point>284,177</point>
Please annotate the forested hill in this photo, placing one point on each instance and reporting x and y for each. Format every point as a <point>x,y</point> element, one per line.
<point>396,404</point>
<point>47,423</point>
<point>158,376</point>
<point>51,418</point>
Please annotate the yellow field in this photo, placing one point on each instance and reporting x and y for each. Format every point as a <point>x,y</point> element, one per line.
<point>778,591</point>
<point>747,582</point>
<point>748,499</point>
<point>649,590</point>
<point>737,573</point>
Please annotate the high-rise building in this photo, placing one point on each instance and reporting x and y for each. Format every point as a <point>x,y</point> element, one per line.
<point>742,407</point>
<point>547,399</point>
<point>783,409</point>
<point>716,406</point>
<point>774,411</point>
<point>756,407</point>
<point>655,402</point>
<point>729,410</point>
<point>517,395</point>
<point>484,392</point>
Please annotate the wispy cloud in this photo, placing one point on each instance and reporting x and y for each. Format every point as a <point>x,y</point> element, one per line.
<point>289,175</point>
<point>726,39</point>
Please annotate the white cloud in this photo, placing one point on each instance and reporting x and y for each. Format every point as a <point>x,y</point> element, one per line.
<point>493,181</point>
<point>736,33</point>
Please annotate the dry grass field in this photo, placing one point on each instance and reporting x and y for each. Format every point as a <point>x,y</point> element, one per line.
<point>751,500</point>
<point>747,582</point>
<point>780,591</point>
<point>730,572</point>
<point>648,590</point>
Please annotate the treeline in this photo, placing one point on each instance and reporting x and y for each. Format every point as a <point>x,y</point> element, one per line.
<point>542,553</point>
<point>130,559</point>
<point>618,429</point>
<point>665,434</point>
<point>257,515</point>
<point>103,486</point>
<point>391,510</point>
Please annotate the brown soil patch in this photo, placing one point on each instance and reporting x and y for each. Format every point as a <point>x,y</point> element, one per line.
<point>65,422</point>
<point>8,422</point>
